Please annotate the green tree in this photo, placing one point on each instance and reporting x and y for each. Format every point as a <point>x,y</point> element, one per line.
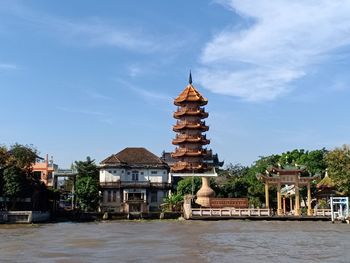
<point>87,191</point>
<point>14,182</point>
<point>87,184</point>
<point>172,202</point>
<point>313,160</point>
<point>185,186</point>
<point>23,156</point>
<point>338,163</point>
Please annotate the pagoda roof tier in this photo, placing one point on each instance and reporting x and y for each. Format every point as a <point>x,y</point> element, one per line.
<point>184,138</point>
<point>182,125</point>
<point>326,183</point>
<point>183,152</point>
<point>287,170</point>
<point>185,167</point>
<point>184,111</point>
<point>286,179</point>
<point>190,94</point>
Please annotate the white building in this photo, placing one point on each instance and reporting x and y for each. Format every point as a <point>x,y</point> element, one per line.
<point>133,180</point>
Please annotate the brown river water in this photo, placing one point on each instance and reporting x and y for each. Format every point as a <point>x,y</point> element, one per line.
<point>176,241</point>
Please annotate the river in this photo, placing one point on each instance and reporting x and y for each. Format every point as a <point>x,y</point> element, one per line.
<point>176,241</point>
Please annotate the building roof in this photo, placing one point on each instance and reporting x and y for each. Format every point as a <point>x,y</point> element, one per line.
<point>190,94</point>
<point>326,182</point>
<point>134,156</point>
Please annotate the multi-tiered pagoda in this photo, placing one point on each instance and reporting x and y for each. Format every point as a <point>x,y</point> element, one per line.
<point>190,139</point>
<point>190,129</point>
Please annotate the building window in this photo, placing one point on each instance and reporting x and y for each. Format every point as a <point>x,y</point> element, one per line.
<point>141,173</point>
<point>154,172</point>
<point>110,171</point>
<point>135,176</point>
<point>154,198</point>
<point>122,171</point>
<point>109,196</point>
<point>164,172</point>
<point>128,173</point>
<point>114,196</point>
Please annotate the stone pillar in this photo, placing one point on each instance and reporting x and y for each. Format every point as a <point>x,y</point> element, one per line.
<point>284,205</point>
<point>204,194</point>
<point>309,211</point>
<point>279,201</point>
<point>290,203</point>
<point>267,202</point>
<point>297,201</point>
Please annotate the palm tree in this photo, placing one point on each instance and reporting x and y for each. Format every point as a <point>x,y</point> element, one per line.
<point>173,203</point>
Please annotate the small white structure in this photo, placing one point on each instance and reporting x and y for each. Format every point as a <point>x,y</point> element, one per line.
<point>339,208</point>
<point>133,180</point>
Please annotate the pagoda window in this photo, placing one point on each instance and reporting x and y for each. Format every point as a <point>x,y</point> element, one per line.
<point>154,172</point>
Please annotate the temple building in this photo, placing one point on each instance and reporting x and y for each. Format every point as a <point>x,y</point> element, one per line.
<point>190,140</point>
<point>288,175</point>
<point>326,188</point>
<point>190,128</point>
<point>133,180</point>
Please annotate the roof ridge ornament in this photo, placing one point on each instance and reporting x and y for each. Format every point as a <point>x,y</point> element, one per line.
<point>190,78</point>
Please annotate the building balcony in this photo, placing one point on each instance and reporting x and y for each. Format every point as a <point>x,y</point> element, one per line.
<point>185,111</point>
<point>135,184</point>
<point>182,152</point>
<point>110,184</point>
<point>182,125</point>
<point>188,167</point>
<point>185,138</point>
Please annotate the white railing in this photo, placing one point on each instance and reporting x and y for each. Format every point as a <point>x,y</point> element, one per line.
<point>322,212</point>
<point>231,212</point>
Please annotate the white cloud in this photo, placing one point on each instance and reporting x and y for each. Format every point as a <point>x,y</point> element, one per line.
<point>146,94</point>
<point>93,31</point>
<point>283,43</point>
<point>4,66</point>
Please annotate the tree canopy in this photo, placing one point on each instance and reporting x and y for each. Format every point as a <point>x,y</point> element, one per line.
<point>87,184</point>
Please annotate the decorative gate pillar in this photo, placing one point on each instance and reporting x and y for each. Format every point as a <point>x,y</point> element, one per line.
<point>287,175</point>
<point>267,202</point>
<point>279,203</point>
<point>309,210</point>
<point>297,201</point>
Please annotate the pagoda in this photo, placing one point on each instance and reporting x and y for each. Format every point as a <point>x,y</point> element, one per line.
<point>190,140</point>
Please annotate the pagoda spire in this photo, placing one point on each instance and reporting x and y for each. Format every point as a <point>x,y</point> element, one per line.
<point>190,78</point>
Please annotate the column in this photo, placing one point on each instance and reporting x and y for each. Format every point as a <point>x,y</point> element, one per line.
<point>290,203</point>
<point>297,201</point>
<point>267,203</point>
<point>279,201</point>
<point>284,205</point>
<point>309,211</point>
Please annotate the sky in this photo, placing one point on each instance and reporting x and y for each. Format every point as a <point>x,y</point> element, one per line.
<point>89,78</point>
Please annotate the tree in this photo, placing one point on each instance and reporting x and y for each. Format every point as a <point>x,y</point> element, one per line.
<point>189,185</point>
<point>15,171</point>
<point>87,184</point>
<point>313,160</point>
<point>14,181</point>
<point>173,202</point>
<point>338,163</point>
<point>87,191</point>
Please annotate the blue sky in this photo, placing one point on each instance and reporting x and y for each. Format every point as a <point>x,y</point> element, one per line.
<point>82,78</point>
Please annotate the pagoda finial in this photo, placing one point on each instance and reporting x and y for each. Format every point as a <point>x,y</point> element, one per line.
<point>190,78</point>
